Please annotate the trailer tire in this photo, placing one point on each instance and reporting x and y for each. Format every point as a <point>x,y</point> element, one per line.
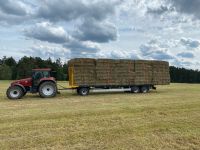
<point>144,89</point>
<point>15,92</point>
<point>47,89</point>
<point>135,89</point>
<point>83,91</point>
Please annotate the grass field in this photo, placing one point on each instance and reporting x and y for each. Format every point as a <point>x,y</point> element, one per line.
<point>168,118</point>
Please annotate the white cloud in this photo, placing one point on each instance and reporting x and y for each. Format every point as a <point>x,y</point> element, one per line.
<point>118,54</point>
<point>155,50</point>
<point>46,31</point>
<point>45,50</point>
<point>190,43</point>
<point>186,55</point>
<point>91,30</point>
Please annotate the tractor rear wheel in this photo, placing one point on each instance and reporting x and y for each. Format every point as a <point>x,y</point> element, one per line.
<point>15,92</point>
<point>47,89</point>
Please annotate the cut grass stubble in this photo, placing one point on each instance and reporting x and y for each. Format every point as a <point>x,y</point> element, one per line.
<point>168,118</point>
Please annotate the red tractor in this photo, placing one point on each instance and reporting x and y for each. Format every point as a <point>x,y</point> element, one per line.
<point>41,82</point>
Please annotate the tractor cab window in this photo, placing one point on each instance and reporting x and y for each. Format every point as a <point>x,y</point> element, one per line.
<point>46,74</point>
<point>37,75</point>
<point>41,74</point>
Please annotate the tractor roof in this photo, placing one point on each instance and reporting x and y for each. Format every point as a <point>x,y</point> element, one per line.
<point>42,69</point>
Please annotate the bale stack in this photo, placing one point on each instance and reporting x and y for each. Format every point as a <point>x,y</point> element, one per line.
<point>143,71</point>
<point>160,71</point>
<point>83,71</point>
<point>114,72</point>
<point>104,72</point>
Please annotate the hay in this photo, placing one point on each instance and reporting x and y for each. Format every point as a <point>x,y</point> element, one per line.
<point>119,72</point>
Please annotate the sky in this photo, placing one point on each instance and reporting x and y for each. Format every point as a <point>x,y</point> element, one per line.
<point>120,29</point>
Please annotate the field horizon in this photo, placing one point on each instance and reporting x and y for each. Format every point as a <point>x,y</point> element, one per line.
<point>168,118</point>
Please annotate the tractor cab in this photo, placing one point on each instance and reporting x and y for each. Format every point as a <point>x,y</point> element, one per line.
<point>38,74</point>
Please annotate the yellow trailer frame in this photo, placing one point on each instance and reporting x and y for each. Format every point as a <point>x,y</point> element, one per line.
<point>71,78</point>
<point>71,81</point>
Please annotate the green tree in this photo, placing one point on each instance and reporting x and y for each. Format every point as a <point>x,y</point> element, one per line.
<point>12,64</point>
<point>24,67</point>
<point>65,71</point>
<point>5,72</point>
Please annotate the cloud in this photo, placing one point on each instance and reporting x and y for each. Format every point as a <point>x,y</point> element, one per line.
<point>81,49</point>
<point>85,28</point>
<point>10,7</point>
<point>159,7</point>
<point>66,10</point>
<point>154,50</point>
<point>160,10</point>
<point>190,43</point>
<point>15,12</point>
<point>122,54</point>
<point>92,18</point>
<point>46,31</point>
<point>80,46</point>
<point>190,7</point>
<point>46,51</point>
<point>186,55</point>
<point>182,63</point>
<point>100,32</point>
<point>10,19</point>
<point>118,54</point>
<point>50,33</point>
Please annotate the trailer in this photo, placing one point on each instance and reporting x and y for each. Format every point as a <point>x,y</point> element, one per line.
<point>97,75</point>
<point>111,74</point>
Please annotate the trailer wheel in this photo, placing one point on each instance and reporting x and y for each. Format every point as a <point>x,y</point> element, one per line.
<point>135,89</point>
<point>83,91</point>
<point>47,89</point>
<point>144,89</point>
<point>15,92</point>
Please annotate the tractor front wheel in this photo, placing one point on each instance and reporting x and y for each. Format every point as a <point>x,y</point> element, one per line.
<point>15,92</point>
<point>47,90</point>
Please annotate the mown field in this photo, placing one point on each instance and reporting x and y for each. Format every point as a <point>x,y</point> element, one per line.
<point>168,118</point>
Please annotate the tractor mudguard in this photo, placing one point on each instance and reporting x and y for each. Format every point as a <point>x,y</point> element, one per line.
<point>17,84</point>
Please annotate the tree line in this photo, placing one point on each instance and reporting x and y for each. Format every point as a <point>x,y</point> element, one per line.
<point>10,69</point>
<point>182,75</point>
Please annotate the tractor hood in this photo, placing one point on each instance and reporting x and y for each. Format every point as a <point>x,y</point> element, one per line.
<point>24,82</point>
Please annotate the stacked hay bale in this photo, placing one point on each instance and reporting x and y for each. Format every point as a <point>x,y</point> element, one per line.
<point>115,72</point>
<point>83,71</point>
<point>143,71</point>
<point>160,72</point>
<point>103,72</point>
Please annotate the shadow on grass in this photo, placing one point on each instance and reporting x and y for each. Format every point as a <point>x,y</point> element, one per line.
<point>73,94</point>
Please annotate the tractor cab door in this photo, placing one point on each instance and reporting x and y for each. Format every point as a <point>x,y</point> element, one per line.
<point>36,78</point>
